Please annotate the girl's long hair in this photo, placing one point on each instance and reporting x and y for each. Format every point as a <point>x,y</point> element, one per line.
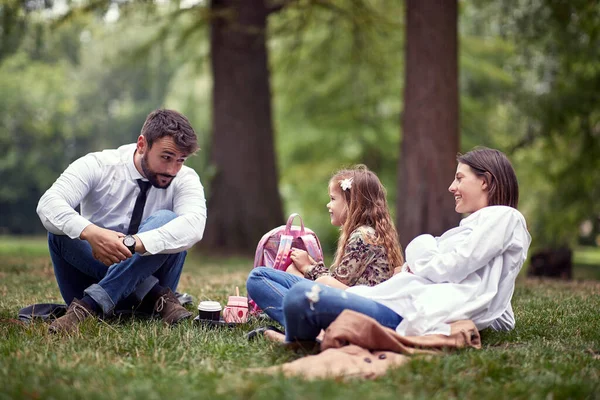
<point>366,204</point>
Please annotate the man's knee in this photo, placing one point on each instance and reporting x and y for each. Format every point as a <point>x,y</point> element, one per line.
<point>52,240</point>
<point>157,219</point>
<point>57,243</point>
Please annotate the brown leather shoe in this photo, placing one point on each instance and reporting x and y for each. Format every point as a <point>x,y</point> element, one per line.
<point>170,309</point>
<point>76,313</point>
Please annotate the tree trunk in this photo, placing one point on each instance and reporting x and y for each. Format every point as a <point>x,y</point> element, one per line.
<point>430,138</point>
<point>244,200</point>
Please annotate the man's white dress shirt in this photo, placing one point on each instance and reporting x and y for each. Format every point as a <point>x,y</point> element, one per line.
<point>105,184</point>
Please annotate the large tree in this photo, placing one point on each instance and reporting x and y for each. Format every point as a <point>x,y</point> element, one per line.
<point>244,200</point>
<point>430,137</point>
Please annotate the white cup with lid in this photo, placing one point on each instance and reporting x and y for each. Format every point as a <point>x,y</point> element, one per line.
<point>209,310</point>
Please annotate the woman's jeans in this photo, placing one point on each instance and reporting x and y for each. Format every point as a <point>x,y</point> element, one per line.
<point>127,283</point>
<point>304,307</point>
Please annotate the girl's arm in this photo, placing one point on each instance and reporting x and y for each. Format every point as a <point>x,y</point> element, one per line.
<point>293,270</point>
<point>497,230</point>
<point>357,256</point>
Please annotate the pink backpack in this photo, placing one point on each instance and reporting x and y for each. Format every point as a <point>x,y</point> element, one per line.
<point>274,247</point>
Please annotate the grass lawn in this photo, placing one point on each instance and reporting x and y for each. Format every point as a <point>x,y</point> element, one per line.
<point>554,352</point>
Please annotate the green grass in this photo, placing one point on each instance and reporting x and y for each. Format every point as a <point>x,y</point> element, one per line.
<point>586,262</point>
<point>554,352</point>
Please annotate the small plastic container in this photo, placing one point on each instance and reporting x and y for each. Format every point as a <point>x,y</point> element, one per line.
<point>236,310</point>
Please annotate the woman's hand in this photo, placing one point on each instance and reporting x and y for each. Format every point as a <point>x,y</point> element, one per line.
<point>302,261</point>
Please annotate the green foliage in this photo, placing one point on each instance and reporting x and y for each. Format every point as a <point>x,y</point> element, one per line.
<point>336,73</point>
<point>529,84</point>
<point>35,134</point>
<point>556,111</point>
<point>71,89</point>
<point>338,80</point>
<point>14,24</point>
<point>554,352</point>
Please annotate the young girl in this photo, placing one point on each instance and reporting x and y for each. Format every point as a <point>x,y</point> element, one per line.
<point>467,273</point>
<point>367,252</point>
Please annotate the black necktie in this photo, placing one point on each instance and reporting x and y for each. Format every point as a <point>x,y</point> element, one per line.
<point>138,209</point>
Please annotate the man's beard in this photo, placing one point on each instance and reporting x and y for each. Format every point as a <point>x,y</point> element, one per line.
<point>153,176</point>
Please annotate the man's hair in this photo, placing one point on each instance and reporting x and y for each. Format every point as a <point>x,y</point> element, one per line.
<point>366,205</point>
<point>497,171</point>
<point>161,123</point>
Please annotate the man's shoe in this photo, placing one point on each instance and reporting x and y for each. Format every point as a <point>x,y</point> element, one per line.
<point>170,309</point>
<point>77,312</point>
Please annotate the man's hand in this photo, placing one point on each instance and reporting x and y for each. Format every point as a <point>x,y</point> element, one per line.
<point>107,245</point>
<point>301,259</point>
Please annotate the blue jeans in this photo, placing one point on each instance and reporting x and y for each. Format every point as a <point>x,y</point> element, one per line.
<point>268,286</point>
<point>125,283</point>
<point>303,309</point>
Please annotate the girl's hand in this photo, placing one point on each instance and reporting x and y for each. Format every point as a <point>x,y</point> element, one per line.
<point>301,259</point>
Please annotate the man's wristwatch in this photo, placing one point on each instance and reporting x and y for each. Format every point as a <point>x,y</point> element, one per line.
<point>129,242</point>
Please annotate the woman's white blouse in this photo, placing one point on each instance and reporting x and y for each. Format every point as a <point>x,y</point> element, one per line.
<point>467,273</point>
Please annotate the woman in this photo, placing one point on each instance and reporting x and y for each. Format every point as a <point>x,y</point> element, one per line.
<point>467,273</point>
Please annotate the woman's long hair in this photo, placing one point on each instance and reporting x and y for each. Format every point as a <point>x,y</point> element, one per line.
<point>366,204</point>
<point>498,173</point>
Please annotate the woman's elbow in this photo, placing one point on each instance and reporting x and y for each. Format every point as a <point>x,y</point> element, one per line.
<point>503,324</point>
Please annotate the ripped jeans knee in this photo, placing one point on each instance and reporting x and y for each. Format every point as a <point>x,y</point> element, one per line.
<point>309,307</point>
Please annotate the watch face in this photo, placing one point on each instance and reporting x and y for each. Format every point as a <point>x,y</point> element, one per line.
<point>129,241</point>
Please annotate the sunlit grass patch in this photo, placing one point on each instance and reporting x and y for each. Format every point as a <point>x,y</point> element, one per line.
<point>587,255</point>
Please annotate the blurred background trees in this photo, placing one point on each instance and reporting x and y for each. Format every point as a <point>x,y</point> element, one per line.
<point>284,93</point>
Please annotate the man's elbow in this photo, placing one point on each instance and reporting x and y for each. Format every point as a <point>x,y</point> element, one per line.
<point>198,236</point>
<point>40,209</point>
<point>199,227</point>
<point>41,212</point>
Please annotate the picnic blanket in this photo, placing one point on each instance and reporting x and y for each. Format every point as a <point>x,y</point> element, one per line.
<point>356,345</point>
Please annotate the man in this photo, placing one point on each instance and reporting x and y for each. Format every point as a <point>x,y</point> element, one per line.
<point>141,208</point>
